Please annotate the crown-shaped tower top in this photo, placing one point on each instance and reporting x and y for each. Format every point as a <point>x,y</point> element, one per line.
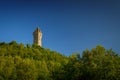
<point>38,29</point>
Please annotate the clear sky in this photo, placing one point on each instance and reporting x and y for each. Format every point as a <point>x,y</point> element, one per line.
<point>68,26</point>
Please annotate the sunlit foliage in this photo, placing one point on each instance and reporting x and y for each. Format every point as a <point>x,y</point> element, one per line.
<point>32,62</point>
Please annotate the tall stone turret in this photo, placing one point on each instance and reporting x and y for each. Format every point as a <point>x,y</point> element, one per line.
<point>37,35</point>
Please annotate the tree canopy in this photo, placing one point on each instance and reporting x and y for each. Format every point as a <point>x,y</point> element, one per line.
<point>32,62</point>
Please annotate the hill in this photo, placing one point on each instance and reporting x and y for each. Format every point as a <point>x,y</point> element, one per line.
<point>32,62</point>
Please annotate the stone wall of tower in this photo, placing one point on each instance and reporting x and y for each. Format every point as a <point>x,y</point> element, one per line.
<point>37,35</point>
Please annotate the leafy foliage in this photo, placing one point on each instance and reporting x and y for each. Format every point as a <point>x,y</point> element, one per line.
<point>26,62</point>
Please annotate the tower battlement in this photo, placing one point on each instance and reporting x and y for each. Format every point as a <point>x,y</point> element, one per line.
<point>37,36</point>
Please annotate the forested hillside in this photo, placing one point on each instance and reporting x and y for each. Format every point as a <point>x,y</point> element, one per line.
<point>31,62</point>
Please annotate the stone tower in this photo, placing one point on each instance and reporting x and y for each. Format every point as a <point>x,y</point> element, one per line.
<point>37,35</point>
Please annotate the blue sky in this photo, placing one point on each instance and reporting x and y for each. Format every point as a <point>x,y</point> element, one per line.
<point>68,26</point>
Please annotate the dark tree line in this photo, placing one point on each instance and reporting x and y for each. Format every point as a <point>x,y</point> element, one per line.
<point>31,62</point>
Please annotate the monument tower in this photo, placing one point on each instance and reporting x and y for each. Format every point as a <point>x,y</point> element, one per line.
<point>37,35</point>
